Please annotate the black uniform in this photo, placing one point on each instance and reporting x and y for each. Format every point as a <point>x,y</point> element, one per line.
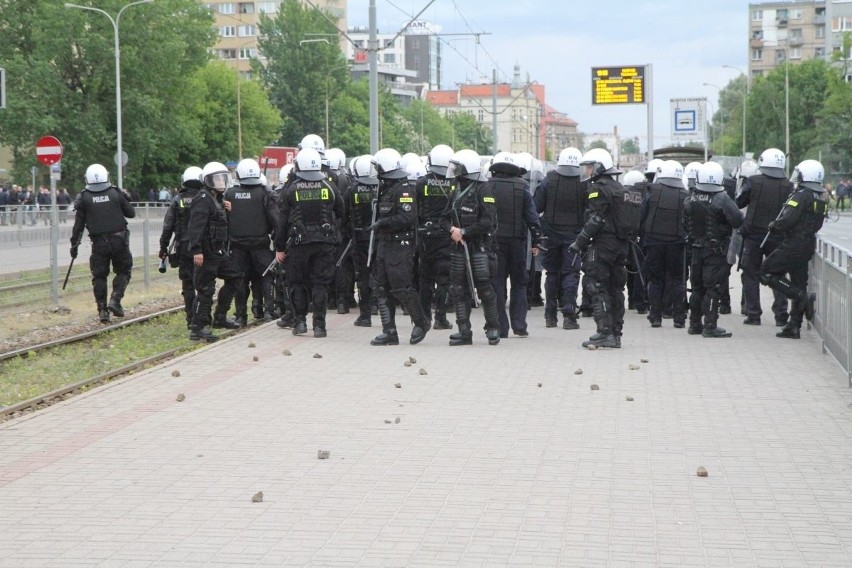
<point>360,201</point>
<point>308,233</point>
<point>561,200</point>
<point>637,293</point>
<point>664,243</point>
<point>102,213</point>
<point>433,191</point>
<point>612,218</point>
<point>392,271</point>
<point>344,275</point>
<point>176,222</point>
<point>252,219</point>
<point>764,196</point>
<point>473,209</point>
<point>516,221</point>
<point>207,235</point>
<point>709,218</point>
<point>800,220</point>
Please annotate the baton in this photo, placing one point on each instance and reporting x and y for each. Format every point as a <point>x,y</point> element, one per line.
<point>468,268</point>
<point>633,247</point>
<point>270,268</point>
<point>343,254</point>
<point>372,235</point>
<point>67,274</point>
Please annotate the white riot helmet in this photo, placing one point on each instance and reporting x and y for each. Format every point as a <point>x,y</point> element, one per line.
<point>597,162</point>
<point>809,174</point>
<point>524,161</point>
<point>632,177</point>
<point>772,163</point>
<point>409,157</point>
<point>504,163</point>
<point>748,168</point>
<point>361,168</point>
<point>248,172</point>
<point>465,164</point>
<point>691,170</point>
<point>308,165</point>
<point>670,173</point>
<point>284,174</point>
<point>387,164</point>
<point>191,177</point>
<point>336,159</point>
<point>568,163</point>
<point>415,169</point>
<point>313,142</point>
<point>97,178</point>
<point>215,176</point>
<point>439,159</point>
<point>652,168</point>
<point>710,176</point>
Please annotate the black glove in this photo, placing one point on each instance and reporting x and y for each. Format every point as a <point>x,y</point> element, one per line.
<point>74,250</point>
<point>575,247</point>
<point>771,226</point>
<point>163,254</point>
<point>375,226</point>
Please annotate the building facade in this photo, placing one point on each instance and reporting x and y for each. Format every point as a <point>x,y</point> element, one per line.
<point>779,31</point>
<point>236,23</point>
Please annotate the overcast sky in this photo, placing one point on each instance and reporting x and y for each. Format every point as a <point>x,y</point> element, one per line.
<point>558,42</point>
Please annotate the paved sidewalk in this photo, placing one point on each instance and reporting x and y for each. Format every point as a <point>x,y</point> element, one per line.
<point>484,468</point>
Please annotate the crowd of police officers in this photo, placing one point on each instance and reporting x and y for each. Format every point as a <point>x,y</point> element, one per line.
<point>449,233</point>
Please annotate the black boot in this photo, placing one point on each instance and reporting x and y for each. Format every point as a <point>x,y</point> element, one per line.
<point>441,321</point>
<point>570,322</point>
<point>489,310</point>
<point>103,313</point>
<point>319,327</point>
<point>714,332</point>
<point>389,335</point>
<point>197,333</point>
<point>790,331</point>
<point>410,301</point>
<point>364,320</point>
<point>603,338</point>
<point>222,321</point>
<point>114,306</point>
<point>300,327</point>
<point>464,335</point>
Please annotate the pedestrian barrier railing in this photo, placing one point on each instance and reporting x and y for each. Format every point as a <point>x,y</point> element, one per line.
<point>830,277</point>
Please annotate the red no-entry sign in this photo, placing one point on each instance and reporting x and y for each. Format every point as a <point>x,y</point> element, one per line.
<point>48,150</point>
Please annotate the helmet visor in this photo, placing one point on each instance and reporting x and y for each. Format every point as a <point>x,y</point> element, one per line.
<point>587,170</point>
<point>455,170</point>
<point>219,181</point>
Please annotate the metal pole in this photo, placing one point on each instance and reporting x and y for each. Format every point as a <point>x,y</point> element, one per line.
<point>372,57</point>
<point>787,112</point>
<point>239,117</point>
<point>146,250</point>
<point>494,140</point>
<point>54,244</point>
<point>649,100</point>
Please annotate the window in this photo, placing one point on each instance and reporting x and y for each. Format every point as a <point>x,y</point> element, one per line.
<point>819,52</point>
<point>848,77</point>
<point>246,7</point>
<point>819,32</point>
<point>228,31</point>
<point>781,14</point>
<point>780,56</point>
<point>267,7</point>
<point>480,115</point>
<point>390,58</point>
<point>756,54</point>
<point>227,53</point>
<point>246,31</point>
<point>796,34</point>
<point>796,14</point>
<point>227,8</point>
<point>248,53</point>
<point>756,15</point>
<point>795,53</point>
<point>841,24</point>
<point>757,34</point>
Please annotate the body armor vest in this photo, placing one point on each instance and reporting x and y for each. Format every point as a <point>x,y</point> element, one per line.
<point>509,199</point>
<point>312,218</point>
<point>705,226</point>
<point>217,224</point>
<point>665,208</point>
<point>184,200</point>
<point>433,192</point>
<point>399,195</point>
<point>566,203</point>
<point>104,215</point>
<point>248,213</point>
<point>767,197</point>
<point>626,208</point>
<point>361,198</point>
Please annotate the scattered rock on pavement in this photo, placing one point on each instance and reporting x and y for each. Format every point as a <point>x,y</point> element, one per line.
<point>412,360</point>
<point>252,345</point>
<point>423,372</point>
<point>317,356</point>
<point>323,454</point>
<point>578,372</point>
<point>702,472</point>
<point>255,358</point>
<point>643,360</point>
<point>286,352</point>
<point>407,363</point>
<point>397,420</point>
<point>633,367</point>
<point>595,387</point>
<point>181,397</point>
<point>629,399</point>
<point>175,373</point>
<point>257,497</point>
<point>398,385</point>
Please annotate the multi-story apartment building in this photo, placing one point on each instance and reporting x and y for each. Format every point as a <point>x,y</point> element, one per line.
<point>237,26</point>
<point>839,31</point>
<point>782,30</point>
<point>525,122</point>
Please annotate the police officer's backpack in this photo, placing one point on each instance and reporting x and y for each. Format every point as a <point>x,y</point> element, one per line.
<point>627,207</point>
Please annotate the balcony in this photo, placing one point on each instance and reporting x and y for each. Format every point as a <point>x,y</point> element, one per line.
<point>781,22</point>
<point>756,43</point>
<point>795,40</point>
<point>819,19</point>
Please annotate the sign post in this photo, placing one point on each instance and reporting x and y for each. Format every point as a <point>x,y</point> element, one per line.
<point>689,120</point>
<point>49,153</point>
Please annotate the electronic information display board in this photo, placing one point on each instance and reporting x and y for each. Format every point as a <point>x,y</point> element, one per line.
<point>618,85</point>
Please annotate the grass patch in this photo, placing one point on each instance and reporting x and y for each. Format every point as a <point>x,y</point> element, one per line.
<point>25,378</point>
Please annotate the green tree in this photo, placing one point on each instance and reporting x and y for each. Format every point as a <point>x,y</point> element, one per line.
<point>61,81</point>
<point>300,76</point>
<point>833,142</point>
<point>630,145</point>
<point>598,144</point>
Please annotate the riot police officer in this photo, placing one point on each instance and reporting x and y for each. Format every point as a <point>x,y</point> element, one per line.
<point>637,292</point>
<point>664,242</point>
<point>344,277</point>
<point>102,209</point>
<point>360,204</point>
<point>394,237</point>
<point>310,209</point>
<point>799,221</point>
<point>710,215</point>
<point>433,191</point>
<point>561,201</point>
<point>764,194</point>
<point>209,243</point>
<point>612,218</point>
<point>471,220</point>
<point>252,219</point>
<point>175,223</point>
<point>516,221</point>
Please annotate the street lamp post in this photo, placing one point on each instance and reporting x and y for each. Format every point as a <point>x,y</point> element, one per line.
<point>745,102</point>
<point>119,154</point>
